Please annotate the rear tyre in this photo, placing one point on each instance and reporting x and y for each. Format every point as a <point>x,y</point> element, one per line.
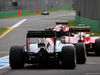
<point>16,57</point>
<point>68,57</point>
<point>42,14</point>
<point>47,13</point>
<point>80,53</point>
<point>97,47</point>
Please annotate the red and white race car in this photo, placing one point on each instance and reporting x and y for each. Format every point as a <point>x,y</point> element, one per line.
<point>92,42</point>
<point>59,26</point>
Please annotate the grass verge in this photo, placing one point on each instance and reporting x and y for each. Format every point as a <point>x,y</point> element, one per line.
<point>73,23</point>
<point>3,30</point>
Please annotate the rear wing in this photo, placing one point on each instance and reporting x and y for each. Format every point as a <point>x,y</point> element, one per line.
<point>62,22</point>
<point>79,29</point>
<point>46,34</point>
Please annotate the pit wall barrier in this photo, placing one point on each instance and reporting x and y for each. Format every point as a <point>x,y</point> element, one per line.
<point>95,24</point>
<point>27,12</point>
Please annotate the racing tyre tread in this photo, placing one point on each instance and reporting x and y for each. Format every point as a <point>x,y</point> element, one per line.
<point>16,57</point>
<point>97,47</point>
<point>80,53</point>
<point>68,57</point>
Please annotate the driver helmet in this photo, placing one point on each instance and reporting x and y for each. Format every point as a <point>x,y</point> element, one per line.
<point>63,39</point>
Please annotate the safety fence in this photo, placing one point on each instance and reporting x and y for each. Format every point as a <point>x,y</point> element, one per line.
<point>25,7</point>
<point>12,5</point>
<point>88,12</point>
<point>27,12</point>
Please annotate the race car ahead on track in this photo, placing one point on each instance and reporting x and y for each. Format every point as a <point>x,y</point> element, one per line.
<point>45,13</point>
<point>59,26</point>
<point>92,42</point>
<point>49,50</point>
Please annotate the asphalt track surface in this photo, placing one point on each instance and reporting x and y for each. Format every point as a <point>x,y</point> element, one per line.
<point>18,37</point>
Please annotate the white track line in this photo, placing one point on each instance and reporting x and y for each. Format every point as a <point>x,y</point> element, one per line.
<point>11,28</point>
<point>19,23</point>
<point>4,66</point>
<point>4,62</point>
<point>4,57</point>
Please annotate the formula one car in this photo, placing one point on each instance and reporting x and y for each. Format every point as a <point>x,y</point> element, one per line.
<point>45,13</point>
<point>49,50</point>
<point>92,42</point>
<point>59,26</point>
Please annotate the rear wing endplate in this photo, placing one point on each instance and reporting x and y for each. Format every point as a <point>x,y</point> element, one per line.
<point>79,29</point>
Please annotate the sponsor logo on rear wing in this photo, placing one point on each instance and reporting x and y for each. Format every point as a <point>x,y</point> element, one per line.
<point>79,29</point>
<point>46,34</point>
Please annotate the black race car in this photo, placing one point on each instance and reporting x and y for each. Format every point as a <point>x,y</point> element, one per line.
<point>48,50</point>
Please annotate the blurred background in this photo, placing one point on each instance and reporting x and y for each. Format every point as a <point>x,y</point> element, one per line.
<point>11,5</point>
<point>87,11</point>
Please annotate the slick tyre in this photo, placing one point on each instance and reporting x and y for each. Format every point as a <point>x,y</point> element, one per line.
<point>42,14</point>
<point>68,57</point>
<point>16,57</point>
<point>47,13</point>
<point>97,47</point>
<point>80,53</point>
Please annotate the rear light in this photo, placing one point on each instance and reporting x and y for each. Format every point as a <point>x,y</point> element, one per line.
<point>90,45</point>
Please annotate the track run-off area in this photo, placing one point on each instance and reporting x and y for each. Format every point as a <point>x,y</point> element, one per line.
<point>16,35</point>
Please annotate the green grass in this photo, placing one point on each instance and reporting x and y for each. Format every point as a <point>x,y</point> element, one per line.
<point>96,33</point>
<point>73,23</point>
<point>2,30</point>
